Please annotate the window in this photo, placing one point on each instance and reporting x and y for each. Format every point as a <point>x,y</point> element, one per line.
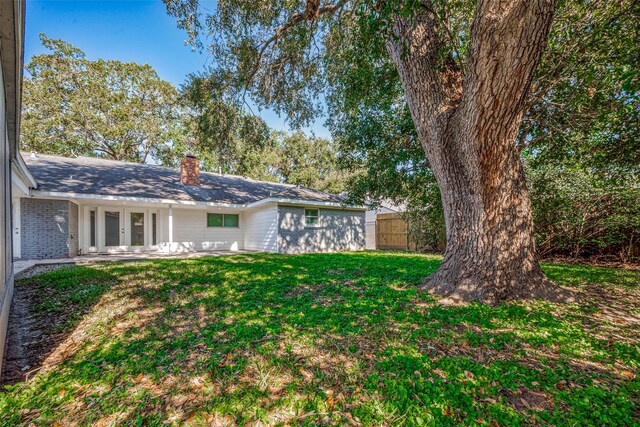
<point>112,228</point>
<point>230,220</point>
<point>137,229</point>
<point>214,220</point>
<point>92,228</point>
<point>222,220</point>
<point>311,216</point>
<point>154,229</point>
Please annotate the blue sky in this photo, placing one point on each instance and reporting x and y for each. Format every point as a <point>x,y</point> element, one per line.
<point>137,30</point>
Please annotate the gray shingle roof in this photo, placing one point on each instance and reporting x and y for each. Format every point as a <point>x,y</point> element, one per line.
<point>88,175</point>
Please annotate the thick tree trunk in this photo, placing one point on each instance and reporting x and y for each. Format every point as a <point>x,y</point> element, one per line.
<point>490,254</point>
<point>467,123</point>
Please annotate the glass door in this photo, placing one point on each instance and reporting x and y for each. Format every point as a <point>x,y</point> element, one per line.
<point>112,228</point>
<point>136,229</point>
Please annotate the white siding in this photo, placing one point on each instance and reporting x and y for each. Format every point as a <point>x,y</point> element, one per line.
<point>371,223</point>
<point>261,229</point>
<point>6,270</point>
<point>190,232</point>
<point>370,234</point>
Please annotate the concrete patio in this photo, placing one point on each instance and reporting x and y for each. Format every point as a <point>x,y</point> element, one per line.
<point>23,265</point>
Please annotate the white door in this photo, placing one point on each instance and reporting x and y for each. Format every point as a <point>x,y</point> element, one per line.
<point>113,229</point>
<point>17,242</point>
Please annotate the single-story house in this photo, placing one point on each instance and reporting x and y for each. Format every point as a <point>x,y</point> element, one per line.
<point>88,205</point>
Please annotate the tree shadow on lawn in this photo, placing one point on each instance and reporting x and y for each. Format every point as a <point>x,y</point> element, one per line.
<point>321,339</point>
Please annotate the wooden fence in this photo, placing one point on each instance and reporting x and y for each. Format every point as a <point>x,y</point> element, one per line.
<point>392,233</point>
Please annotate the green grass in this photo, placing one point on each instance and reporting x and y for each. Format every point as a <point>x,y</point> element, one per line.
<point>343,339</point>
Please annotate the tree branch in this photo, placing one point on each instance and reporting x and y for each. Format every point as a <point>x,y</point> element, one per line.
<point>295,19</point>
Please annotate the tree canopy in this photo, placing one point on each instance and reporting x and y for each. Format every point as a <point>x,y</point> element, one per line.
<point>105,108</point>
<point>124,111</point>
<point>228,138</point>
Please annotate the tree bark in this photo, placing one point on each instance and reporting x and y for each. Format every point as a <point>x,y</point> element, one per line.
<point>467,122</point>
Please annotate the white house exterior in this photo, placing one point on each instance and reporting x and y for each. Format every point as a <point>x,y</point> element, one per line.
<point>86,205</point>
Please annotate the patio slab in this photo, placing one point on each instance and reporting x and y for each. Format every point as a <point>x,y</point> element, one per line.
<point>22,265</point>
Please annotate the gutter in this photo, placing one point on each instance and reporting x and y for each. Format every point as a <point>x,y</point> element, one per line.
<point>20,168</point>
<point>298,202</point>
<point>101,197</point>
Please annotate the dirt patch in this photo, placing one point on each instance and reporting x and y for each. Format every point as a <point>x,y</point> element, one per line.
<point>30,336</point>
<point>38,269</point>
<point>525,399</point>
<point>26,331</point>
<point>595,261</point>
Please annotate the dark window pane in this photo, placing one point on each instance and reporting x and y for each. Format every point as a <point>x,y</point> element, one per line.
<point>214,220</point>
<point>231,220</point>
<point>154,229</point>
<point>311,216</point>
<point>92,228</point>
<point>112,228</point>
<point>137,229</point>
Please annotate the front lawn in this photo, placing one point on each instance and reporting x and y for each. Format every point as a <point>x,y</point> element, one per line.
<point>346,339</point>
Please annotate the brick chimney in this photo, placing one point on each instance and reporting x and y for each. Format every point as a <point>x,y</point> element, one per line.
<point>190,170</point>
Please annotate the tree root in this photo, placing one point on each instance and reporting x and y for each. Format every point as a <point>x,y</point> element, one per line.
<point>460,289</point>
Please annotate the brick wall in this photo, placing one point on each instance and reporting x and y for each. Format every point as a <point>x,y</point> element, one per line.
<point>337,230</point>
<point>49,228</point>
<point>73,230</point>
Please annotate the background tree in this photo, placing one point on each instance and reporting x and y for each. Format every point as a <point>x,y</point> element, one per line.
<point>465,80</point>
<point>103,108</point>
<point>226,137</point>
<point>309,161</point>
<point>124,111</point>
<point>230,139</point>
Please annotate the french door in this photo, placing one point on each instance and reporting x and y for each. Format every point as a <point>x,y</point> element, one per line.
<point>137,232</point>
<point>113,229</point>
<point>113,237</point>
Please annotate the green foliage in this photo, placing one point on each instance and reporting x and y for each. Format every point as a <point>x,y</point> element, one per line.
<point>323,338</point>
<point>579,211</point>
<point>584,103</point>
<point>310,162</point>
<point>232,140</point>
<point>225,137</point>
<point>105,108</point>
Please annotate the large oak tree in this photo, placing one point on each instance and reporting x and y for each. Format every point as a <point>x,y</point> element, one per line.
<point>106,108</point>
<point>466,88</point>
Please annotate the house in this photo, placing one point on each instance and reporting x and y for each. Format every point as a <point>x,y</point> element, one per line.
<point>11,166</point>
<point>87,205</point>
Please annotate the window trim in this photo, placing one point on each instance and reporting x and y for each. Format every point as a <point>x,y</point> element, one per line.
<point>307,216</point>
<point>222,223</point>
